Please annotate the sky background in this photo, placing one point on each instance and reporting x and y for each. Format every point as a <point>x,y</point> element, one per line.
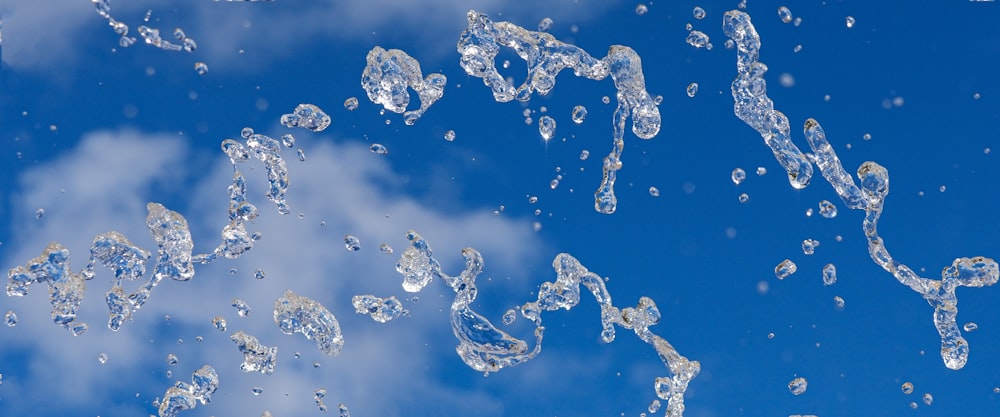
<point>90,132</point>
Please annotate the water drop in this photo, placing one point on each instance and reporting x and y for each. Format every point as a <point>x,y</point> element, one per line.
<point>102,358</point>
<point>545,24</point>
<point>385,248</point>
<point>302,154</point>
<point>351,104</point>
<point>653,191</point>
<point>809,246</point>
<point>546,127</point>
<point>379,149</point>
<point>241,307</point>
<point>761,171</point>
<point>907,388</point>
<point>692,89</point>
<point>698,39</point>
<point>849,21</point>
<point>579,114</point>
<point>201,68</point>
<point>288,140</point>
<point>584,154</point>
<point>259,273</point>
<point>928,399</point>
<point>785,268</point>
<point>738,176</point>
<point>698,13</point>
<point>171,359</point>
<point>829,274</point>
<point>641,9</point>
<point>744,197</point>
<point>970,326</point>
<point>449,136</point>
<point>838,302</point>
<point>827,209</point>
<point>785,14</point>
<point>39,213</point>
<point>509,317</point>
<point>352,243</point>
<point>256,391</point>
<point>798,386</point>
<point>10,318</point>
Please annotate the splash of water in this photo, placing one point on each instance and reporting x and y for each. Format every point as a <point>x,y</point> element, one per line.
<point>256,356</point>
<point>485,348</point>
<point>381,310</point>
<point>183,396</point>
<point>297,314</point>
<point>387,76</point>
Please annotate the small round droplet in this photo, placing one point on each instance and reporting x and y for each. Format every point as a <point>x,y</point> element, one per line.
<point>352,243</point>
<point>171,359</point>
<point>698,13</point>
<point>785,14</point>
<point>288,140</point>
<point>744,197</point>
<point>829,274</point>
<point>738,176</point>
<point>201,68</point>
<point>827,209</point>
<point>970,326</point>
<point>256,391</point>
<point>641,9</point>
<point>579,114</point>
<point>653,191</point>
<point>584,154</point>
<point>385,248</point>
<point>10,318</point>
<point>351,104</point>
<point>928,399</point>
<point>761,171</point>
<point>509,317</point>
<point>838,302</point>
<point>259,273</point>
<point>39,213</point>
<point>102,358</point>
<point>302,154</point>
<point>849,20</point>
<point>545,24</point>
<point>379,149</point>
<point>546,127</point>
<point>809,246</point>
<point>692,89</point>
<point>606,100</point>
<point>798,386</point>
<point>449,136</point>
<point>785,268</point>
<point>907,388</point>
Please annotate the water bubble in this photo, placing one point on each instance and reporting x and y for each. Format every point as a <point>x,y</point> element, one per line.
<point>798,386</point>
<point>738,176</point>
<point>692,89</point>
<point>785,14</point>
<point>379,149</point>
<point>606,100</point>
<point>744,197</point>
<point>849,20</point>
<point>449,136</point>
<point>942,188</point>
<point>352,243</point>
<point>907,388</point>
<point>10,318</point>
<point>970,326</point>
<point>829,274</point>
<point>809,246</point>
<point>241,307</point>
<point>579,114</point>
<point>913,405</point>
<point>827,209</point>
<point>546,127</point>
<point>698,13</point>
<point>641,9</point>
<point>201,68</point>
<point>785,268</point>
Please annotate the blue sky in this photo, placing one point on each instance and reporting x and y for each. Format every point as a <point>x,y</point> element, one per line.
<point>91,132</point>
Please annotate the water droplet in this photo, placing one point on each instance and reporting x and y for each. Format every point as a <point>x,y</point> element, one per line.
<point>241,307</point>
<point>698,39</point>
<point>259,273</point>
<point>838,302</point>
<point>579,114</point>
<point>641,9</point>
<point>509,317</point>
<point>653,191</point>
<point>798,386</point>
<point>744,197</point>
<point>785,14</point>
<point>738,176</point>
<point>698,13</point>
<point>351,104</point>
<point>201,68</point>
<point>829,274</point>
<point>654,406</point>
<point>761,171</point>
<point>913,405</point>
<point>928,399</point>
<point>827,209</point>
<point>692,89</point>
<point>809,246</point>
<point>352,243</point>
<point>10,318</point>
<point>171,359</point>
<point>288,140</point>
<point>449,136</point>
<point>379,149</point>
<point>867,136</point>
<point>797,48</point>
<point>907,388</point>
<point>532,199</point>
<point>970,326</point>
<point>606,100</point>
<point>545,24</point>
<point>256,391</point>
<point>554,183</point>
<point>785,268</point>
<point>385,248</point>
<point>849,20</point>
<point>306,116</point>
<point>584,154</point>
<point>102,358</point>
<point>39,213</point>
<point>546,127</point>
<point>302,154</point>
<point>942,188</point>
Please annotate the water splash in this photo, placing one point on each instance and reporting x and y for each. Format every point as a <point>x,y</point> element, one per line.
<point>387,76</point>
<point>753,106</point>
<point>306,116</point>
<point>256,357</point>
<point>297,314</point>
<point>183,396</point>
<point>381,310</point>
<point>485,348</point>
<point>546,57</point>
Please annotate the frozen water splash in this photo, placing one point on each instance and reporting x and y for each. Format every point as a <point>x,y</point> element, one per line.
<point>183,396</point>
<point>151,36</point>
<point>66,288</point>
<point>798,386</point>
<point>487,349</point>
<point>388,75</point>
<point>546,57</point>
<point>268,151</point>
<point>174,245</point>
<point>256,357</point>
<point>870,196</point>
<point>381,310</point>
<point>306,116</point>
<point>297,314</point>
<point>753,106</point>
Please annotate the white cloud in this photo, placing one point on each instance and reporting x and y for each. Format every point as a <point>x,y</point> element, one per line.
<point>107,181</point>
